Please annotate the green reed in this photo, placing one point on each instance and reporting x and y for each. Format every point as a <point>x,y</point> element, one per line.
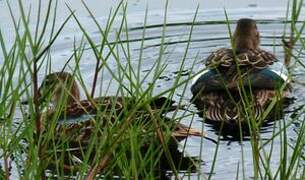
<point>262,150</point>
<point>290,155</point>
<point>291,158</point>
<point>119,151</point>
<point>32,141</point>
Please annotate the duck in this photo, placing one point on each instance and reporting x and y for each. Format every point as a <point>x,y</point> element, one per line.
<point>76,117</point>
<point>237,75</point>
<point>70,123</point>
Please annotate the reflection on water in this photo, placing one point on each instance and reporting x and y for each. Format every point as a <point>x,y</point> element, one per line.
<point>72,165</point>
<point>210,33</point>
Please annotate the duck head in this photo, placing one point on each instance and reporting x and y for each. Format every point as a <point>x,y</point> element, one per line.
<point>246,35</point>
<point>58,85</point>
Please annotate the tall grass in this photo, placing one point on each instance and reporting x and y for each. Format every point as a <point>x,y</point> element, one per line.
<point>134,145</point>
<point>291,152</point>
<point>131,147</point>
<point>291,155</point>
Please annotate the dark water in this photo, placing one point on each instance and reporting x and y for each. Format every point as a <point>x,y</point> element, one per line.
<point>210,33</point>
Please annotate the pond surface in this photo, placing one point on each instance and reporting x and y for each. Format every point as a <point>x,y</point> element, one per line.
<point>209,34</point>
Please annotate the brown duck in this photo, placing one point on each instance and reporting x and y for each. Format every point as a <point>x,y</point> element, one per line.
<point>60,85</point>
<point>236,76</point>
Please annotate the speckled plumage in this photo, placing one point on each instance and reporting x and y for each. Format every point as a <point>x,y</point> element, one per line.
<point>219,92</point>
<point>219,106</point>
<point>57,85</point>
<point>256,58</point>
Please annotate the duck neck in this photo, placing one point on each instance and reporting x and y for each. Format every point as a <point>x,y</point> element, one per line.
<point>72,95</point>
<point>244,43</point>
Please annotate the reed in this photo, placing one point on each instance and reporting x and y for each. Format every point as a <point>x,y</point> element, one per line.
<point>136,144</point>
<point>131,147</point>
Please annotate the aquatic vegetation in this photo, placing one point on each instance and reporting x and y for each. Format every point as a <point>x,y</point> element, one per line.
<point>120,140</point>
<point>128,143</point>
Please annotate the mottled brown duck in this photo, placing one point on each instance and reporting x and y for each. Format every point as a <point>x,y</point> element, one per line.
<point>60,90</point>
<point>239,82</point>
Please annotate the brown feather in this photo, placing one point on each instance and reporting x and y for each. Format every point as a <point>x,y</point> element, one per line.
<point>232,69</point>
<point>58,83</point>
<point>258,59</point>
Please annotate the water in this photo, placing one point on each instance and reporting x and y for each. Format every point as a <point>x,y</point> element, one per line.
<point>209,34</point>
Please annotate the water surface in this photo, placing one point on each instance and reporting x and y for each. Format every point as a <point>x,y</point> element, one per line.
<point>210,33</point>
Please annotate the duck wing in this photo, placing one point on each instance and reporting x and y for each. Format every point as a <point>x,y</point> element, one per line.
<point>217,106</point>
<point>102,104</point>
<point>224,57</point>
